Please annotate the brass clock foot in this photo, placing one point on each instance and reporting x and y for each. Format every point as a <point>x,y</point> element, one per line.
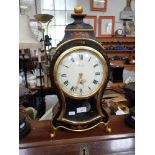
<point>53,133</point>
<point>107,129</point>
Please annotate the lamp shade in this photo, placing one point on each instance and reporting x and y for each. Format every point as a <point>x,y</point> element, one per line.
<point>26,37</point>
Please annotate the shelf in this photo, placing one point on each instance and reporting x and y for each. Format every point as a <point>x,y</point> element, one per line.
<point>119,51</point>
<point>116,39</point>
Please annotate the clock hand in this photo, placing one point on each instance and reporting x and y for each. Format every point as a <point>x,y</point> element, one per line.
<point>82,81</point>
<point>79,80</point>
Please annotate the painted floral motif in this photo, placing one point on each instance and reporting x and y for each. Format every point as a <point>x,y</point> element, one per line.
<point>79,35</point>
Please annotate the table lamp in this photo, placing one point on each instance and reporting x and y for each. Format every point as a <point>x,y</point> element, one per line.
<point>44,20</point>
<point>26,40</point>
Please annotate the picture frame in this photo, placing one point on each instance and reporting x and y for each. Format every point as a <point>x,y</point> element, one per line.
<point>92,20</point>
<point>106,26</point>
<point>98,5</point>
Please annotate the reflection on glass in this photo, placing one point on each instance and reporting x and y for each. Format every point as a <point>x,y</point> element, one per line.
<point>47,4</point>
<point>70,4</point>
<point>69,20</point>
<point>121,144</point>
<point>106,26</point>
<point>60,17</point>
<point>59,4</point>
<point>99,4</point>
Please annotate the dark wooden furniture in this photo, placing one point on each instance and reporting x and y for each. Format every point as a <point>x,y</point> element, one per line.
<point>120,141</point>
<point>120,47</point>
<point>116,74</point>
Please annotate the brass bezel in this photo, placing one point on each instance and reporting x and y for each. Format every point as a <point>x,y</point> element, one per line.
<point>70,50</point>
<point>82,39</point>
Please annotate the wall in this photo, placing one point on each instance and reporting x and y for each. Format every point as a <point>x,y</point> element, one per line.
<point>114,7</point>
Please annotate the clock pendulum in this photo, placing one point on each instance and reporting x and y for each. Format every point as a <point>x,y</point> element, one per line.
<point>79,73</point>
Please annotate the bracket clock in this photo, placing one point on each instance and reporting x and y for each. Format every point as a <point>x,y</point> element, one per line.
<point>79,73</point>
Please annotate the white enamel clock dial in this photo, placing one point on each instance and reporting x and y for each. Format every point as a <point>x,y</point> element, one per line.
<point>80,71</point>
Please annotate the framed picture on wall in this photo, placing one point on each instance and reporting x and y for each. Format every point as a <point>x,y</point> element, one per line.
<point>98,5</point>
<point>106,26</point>
<point>92,20</point>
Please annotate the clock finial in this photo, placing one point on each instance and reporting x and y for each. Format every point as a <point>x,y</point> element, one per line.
<point>78,9</point>
<point>78,12</point>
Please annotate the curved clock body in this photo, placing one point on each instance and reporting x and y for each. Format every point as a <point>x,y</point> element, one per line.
<point>79,73</point>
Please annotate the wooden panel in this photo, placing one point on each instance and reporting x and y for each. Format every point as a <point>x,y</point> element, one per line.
<point>107,147</point>
<point>38,141</point>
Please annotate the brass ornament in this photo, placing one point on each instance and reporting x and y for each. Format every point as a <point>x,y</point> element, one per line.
<point>78,9</point>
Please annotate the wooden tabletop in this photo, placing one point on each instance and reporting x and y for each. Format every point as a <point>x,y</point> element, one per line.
<point>40,133</point>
